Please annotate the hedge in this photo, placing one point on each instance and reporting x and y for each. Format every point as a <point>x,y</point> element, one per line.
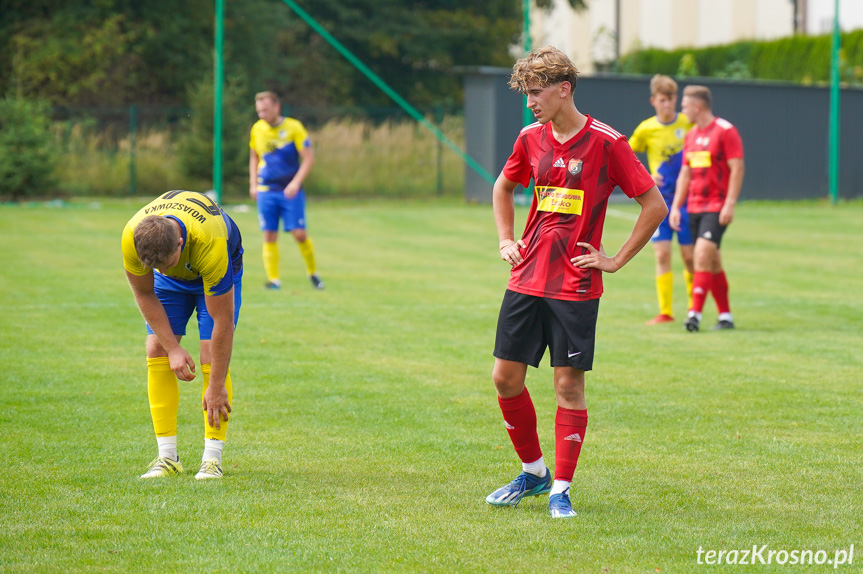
<point>798,59</point>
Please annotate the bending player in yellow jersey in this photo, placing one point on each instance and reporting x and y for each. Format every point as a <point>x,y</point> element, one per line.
<point>182,254</point>
<point>662,138</point>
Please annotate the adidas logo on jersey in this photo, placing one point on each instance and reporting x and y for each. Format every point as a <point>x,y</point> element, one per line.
<point>574,436</point>
<point>508,426</point>
<point>559,163</point>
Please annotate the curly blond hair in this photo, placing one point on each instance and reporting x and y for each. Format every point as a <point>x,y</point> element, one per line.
<point>545,67</point>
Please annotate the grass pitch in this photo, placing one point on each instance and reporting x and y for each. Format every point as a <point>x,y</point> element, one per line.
<point>366,433</point>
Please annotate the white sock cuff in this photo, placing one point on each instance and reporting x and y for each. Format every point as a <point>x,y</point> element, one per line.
<point>536,467</point>
<point>559,487</point>
<point>168,446</point>
<point>213,449</point>
<point>214,444</point>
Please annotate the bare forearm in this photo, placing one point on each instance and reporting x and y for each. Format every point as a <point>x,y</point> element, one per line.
<point>735,183</point>
<point>653,211</point>
<point>154,314</point>
<point>253,172</point>
<point>504,208</point>
<point>221,346</point>
<point>307,160</point>
<point>681,189</point>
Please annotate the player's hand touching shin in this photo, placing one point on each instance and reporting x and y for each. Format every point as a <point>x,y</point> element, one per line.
<point>215,402</point>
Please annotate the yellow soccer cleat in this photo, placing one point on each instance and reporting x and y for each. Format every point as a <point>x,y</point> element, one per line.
<point>210,468</point>
<point>163,466</point>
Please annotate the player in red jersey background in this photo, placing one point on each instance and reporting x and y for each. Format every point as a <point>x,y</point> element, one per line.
<point>710,180</point>
<point>552,299</point>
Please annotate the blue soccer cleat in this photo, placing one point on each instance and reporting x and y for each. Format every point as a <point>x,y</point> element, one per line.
<point>525,484</point>
<point>559,505</point>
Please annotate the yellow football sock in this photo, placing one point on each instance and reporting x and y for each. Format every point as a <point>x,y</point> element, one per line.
<point>212,432</point>
<point>164,394</point>
<point>271,260</point>
<point>307,250</point>
<point>664,288</point>
<point>689,277</point>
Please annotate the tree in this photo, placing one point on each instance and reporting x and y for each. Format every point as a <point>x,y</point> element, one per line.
<point>195,149</point>
<point>119,52</point>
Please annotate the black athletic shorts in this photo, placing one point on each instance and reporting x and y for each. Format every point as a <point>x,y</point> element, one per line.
<point>706,226</point>
<point>528,324</point>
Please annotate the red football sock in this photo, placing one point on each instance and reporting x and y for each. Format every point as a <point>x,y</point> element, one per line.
<point>520,418</point>
<point>569,428</point>
<point>701,285</point>
<point>720,292</point>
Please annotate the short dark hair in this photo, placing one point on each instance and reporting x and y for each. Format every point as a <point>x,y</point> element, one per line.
<point>155,240</point>
<point>700,93</point>
<point>267,95</point>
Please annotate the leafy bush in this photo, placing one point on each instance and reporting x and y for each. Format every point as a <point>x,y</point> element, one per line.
<point>27,151</point>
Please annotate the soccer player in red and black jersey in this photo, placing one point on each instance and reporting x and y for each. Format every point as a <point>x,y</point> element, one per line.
<point>553,294</point>
<point>711,178</point>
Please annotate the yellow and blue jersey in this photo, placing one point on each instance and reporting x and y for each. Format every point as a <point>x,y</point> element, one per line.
<point>278,151</point>
<point>663,144</point>
<point>212,252</point>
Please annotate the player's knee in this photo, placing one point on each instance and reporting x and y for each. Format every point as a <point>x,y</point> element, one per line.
<point>154,348</point>
<point>570,388</point>
<point>506,383</point>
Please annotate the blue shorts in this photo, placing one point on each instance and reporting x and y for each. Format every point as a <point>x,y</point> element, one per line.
<point>180,298</point>
<point>665,233</point>
<point>273,205</point>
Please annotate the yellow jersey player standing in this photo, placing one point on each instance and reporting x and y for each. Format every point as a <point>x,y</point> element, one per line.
<point>280,159</point>
<point>182,253</point>
<point>661,137</point>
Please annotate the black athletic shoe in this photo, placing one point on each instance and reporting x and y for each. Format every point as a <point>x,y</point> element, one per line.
<point>723,324</point>
<point>316,281</point>
<point>691,324</point>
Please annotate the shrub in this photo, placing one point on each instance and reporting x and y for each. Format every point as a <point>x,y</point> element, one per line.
<point>799,59</point>
<point>27,151</point>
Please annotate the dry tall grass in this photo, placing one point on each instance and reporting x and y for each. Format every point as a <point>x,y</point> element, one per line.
<point>353,158</point>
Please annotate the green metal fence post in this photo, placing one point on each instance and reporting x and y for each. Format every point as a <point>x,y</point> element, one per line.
<point>438,116</point>
<point>133,129</point>
<point>833,158</point>
<point>217,102</point>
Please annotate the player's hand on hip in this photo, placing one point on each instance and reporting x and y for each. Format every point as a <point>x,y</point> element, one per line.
<point>594,258</point>
<point>182,364</point>
<point>292,189</point>
<point>510,251</point>
<point>216,405</point>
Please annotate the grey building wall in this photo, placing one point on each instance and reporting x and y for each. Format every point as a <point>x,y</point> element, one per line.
<point>492,120</point>
<point>784,129</point>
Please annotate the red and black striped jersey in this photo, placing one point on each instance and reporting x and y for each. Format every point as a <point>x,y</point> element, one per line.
<point>707,152</point>
<point>573,181</point>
